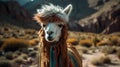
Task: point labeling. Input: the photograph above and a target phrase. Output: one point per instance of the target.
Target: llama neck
(54, 55)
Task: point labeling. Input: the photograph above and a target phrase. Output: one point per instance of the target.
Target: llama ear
(68, 9)
(37, 18)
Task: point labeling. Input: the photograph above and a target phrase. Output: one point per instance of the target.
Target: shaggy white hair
(47, 10)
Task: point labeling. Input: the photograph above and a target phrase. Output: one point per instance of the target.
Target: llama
(53, 34)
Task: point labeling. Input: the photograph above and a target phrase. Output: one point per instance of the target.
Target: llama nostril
(49, 32)
(50, 38)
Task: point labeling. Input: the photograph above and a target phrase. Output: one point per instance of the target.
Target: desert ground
(19, 47)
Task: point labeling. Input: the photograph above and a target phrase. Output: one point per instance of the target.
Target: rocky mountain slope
(80, 7)
(11, 12)
(98, 16)
(93, 15)
(106, 20)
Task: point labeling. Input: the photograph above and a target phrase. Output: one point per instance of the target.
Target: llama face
(51, 18)
(52, 31)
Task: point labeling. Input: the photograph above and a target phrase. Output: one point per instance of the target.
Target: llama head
(52, 20)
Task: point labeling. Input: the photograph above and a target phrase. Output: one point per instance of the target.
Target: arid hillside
(11, 12)
(19, 47)
(106, 20)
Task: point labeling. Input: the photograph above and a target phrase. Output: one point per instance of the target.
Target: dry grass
(72, 41)
(86, 43)
(93, 39)
(30, 31)
(13, 44)
(103, 43)
(33, 42)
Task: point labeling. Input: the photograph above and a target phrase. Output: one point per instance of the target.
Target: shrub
(27, 36)
(86, 43)
(19, 60)
(1, 42)
(24, 50)
(2, 58)
(30, 31)
(118, 52)
(6, 29)
(36, 48)
(95, 40)
(1, 36)
(13, 44)
(100, 60)
(25, 57)
(9, 55)
(33, 42)
(18, 52)
(72, 41)
(115, 40)
(33, 54)
(103, 43)
(106, 60)
(5, 63)
(108, 50)
(83, 50)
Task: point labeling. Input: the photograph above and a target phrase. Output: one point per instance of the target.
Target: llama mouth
(50, 39)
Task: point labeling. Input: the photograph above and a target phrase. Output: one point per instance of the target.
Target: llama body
(53, 35)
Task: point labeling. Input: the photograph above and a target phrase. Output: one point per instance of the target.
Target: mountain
(105, 20)
(81, 8)
(13, 13)
(98, 16)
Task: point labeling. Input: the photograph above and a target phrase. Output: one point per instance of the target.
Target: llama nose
(50, 38)
(49, 32)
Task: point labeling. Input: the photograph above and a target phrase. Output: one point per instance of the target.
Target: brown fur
(45, 19)
(60, 47)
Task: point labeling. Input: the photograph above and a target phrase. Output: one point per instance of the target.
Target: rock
(24, 50)
(9, 55)
(36, 48)
(2, 53)
(18, 52)
(77, 12)
(30, 49)
(114, 17)
(13, 9)
(106, 20)
(1, 42)
(32, 54)
(18, 61)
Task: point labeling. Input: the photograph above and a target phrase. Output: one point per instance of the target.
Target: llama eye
(44, 25)
(60, 25)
